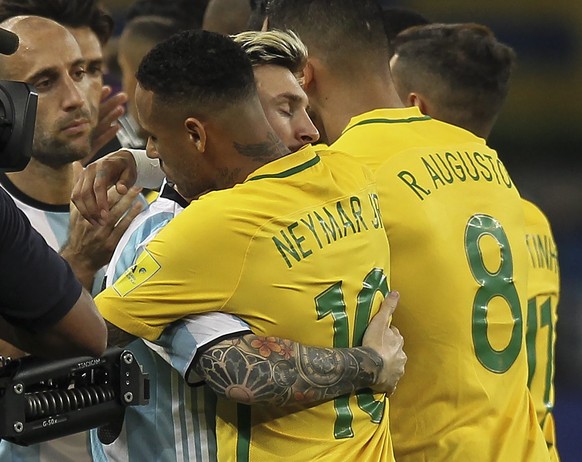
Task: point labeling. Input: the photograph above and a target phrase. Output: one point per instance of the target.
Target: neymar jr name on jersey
(329, 224)
(442, 169)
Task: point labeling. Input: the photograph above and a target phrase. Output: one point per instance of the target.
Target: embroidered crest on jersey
(145, 267)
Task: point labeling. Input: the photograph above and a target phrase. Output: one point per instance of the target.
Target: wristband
(149, 173)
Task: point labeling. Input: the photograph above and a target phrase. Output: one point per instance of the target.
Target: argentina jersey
(178, 423)
(51, 221)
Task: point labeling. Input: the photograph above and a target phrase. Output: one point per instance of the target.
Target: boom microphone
(8, 42)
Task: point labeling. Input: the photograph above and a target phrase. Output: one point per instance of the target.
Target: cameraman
(43, 307)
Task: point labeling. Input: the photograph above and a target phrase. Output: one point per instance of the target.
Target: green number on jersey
(545, 310)
(331, 302)
(493, 284)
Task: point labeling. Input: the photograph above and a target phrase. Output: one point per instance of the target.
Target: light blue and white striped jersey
(178, 422)
(52, 222)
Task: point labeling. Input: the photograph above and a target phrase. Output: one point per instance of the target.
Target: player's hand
(111, 108)
(388, 343)
(90, 247)
(90, 193)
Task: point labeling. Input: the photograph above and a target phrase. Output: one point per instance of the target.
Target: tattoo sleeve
(274, 371)
(118, 337)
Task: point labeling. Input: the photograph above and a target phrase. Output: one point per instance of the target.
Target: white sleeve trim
(180, 342)
(149, 173)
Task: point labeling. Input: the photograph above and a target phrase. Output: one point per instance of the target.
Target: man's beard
(55, 153)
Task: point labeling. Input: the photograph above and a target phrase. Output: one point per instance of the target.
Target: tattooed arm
(280, 372)
(269, 370)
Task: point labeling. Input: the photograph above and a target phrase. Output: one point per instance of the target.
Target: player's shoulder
(339, 160)
(530, 206)
(160, 210)
(534, 215)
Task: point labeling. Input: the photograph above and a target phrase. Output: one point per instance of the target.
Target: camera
(44, 399)
(18, 101)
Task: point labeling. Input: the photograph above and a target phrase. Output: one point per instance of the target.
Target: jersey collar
(390, 116)
(287, 165)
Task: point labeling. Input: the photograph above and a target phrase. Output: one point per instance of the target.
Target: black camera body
(43, 399)
(18, 102)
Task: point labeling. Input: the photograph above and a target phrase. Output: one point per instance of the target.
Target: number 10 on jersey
(332, 302)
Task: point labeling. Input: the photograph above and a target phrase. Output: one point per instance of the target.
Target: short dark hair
(152, 28)
(465, 59)
(397, 19)
(206, 69)
(349, 34)
(188, 13)
(69, 13)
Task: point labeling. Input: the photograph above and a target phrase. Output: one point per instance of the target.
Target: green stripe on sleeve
(243, 442)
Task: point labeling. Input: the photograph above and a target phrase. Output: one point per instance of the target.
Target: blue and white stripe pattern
(178, 424)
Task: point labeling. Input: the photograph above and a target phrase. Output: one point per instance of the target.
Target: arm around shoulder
(273, 371)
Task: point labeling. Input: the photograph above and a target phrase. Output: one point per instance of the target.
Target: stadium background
(539, 136)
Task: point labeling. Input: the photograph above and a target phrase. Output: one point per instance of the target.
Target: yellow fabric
(151, 195)
(543, 296)
(297, 251)
(453, 219)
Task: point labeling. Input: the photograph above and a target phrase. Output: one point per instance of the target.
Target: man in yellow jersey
(278, 60)
(459, 73)
(292, 244)
(455, 224)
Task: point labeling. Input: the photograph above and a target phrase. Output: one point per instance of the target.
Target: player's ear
(308, 75)
(196, 132)
(415, 99)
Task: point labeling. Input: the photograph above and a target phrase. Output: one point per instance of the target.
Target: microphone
(8, 42)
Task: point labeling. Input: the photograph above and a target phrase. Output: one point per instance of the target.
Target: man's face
(282, 99)
(49, 58)
(93, 55)
(285, 105)
(171, 143)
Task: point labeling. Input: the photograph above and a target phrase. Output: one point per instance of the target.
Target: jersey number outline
(493, 284)
(545, 310)
(332, 302)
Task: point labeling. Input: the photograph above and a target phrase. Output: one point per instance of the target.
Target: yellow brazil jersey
(458, 258)
(298, 251)
(542, 302)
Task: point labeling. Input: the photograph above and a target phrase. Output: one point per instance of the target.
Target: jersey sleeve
(182, 342)
(191, 267)
(38, 286)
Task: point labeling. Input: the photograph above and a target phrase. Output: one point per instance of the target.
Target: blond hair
(274, 47)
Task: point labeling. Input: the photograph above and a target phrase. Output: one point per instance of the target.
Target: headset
(18, 102)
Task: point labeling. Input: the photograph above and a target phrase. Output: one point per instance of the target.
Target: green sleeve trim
(243, 442)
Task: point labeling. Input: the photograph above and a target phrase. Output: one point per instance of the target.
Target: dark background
(539, 137)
